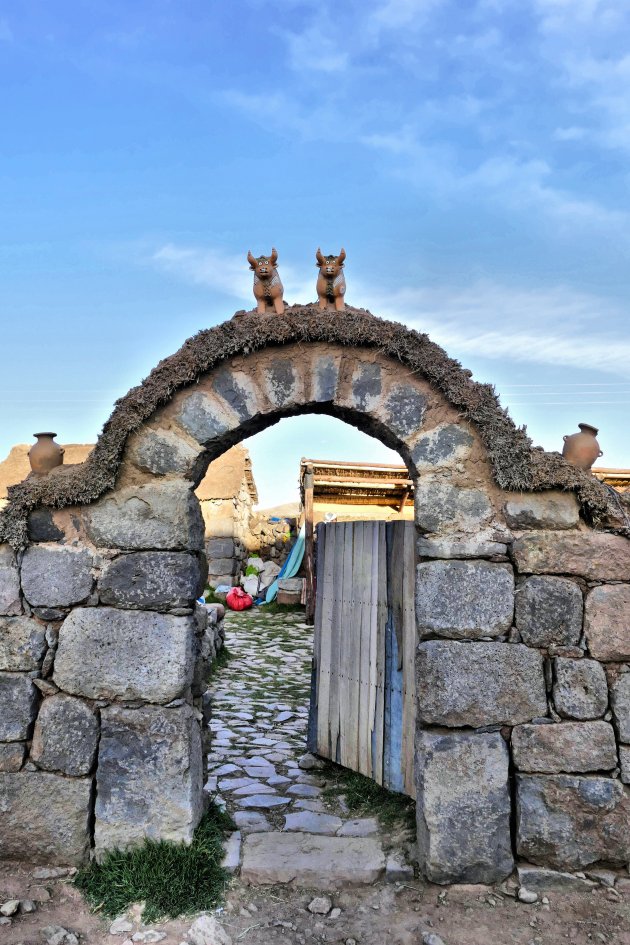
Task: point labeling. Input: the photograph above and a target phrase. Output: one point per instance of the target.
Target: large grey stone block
(163, 451)
(607, 622)
(442, 507)
(18, 705)
(459, 548)
(152, 580)
(367, 386)
(164, 515)
(65, 738)
(204, 417)
(405, 407)
(45, 817)
(149, 778)
(477, 684)
(580, 690)
(549, 611)
(463, 807)
(10, 602)
(218, 566)
(620, 702)
(56, 576)
(464, 599)
(325, 375)
(570, 747)
(557, 510)
(220, 548)
(104, 653)
(42, 527)
(280, 381)
(594, 555)
(314, 862)
(568, 822)
(238, 391)
(22, 643)
(445, 445)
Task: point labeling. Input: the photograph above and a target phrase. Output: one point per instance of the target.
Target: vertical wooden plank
(352, 669)
(394, 695)
(381, 621)
(317, 632)
(336, 667)
(323, 733)
(345, 640)
(364, 678)
(373, 671)
(308, 543)
(409, 653)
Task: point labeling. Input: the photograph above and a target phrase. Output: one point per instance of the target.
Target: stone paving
(260, 702)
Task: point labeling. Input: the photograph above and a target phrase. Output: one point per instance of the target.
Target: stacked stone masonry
(523, 657)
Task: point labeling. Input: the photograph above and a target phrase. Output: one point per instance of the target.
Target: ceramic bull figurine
(268, 289)
(331, 284)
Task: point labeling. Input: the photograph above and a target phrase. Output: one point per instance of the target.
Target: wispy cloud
(224, 272)
(489, 319)
(205, 266)
(394, 14)
(555, 326)
(316, 49)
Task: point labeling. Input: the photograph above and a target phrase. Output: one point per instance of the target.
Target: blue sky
(472, 157)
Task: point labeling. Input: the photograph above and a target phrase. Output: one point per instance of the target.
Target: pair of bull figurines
(268, 289)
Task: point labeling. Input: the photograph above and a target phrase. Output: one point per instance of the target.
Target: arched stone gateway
(522, 603)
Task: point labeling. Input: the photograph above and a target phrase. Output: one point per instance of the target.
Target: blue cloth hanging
(290, 567)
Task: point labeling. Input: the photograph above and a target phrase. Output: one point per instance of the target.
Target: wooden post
(403, 501)
(309, 549)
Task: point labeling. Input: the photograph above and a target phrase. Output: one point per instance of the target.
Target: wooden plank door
(363, 693)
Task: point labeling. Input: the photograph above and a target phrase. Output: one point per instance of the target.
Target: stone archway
(101, 648)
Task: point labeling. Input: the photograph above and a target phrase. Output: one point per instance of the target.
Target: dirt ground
(377, 915)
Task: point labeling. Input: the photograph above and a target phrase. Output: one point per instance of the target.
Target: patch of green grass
(275, 608)
(365, 797)
(221, 660)
(211, 598)
(172, 879)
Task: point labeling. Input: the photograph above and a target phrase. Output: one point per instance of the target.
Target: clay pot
(45, 454)
(582, 449)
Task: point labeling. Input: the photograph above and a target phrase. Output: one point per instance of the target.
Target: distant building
(227, 494)
(346, 492)
(16, 467)
(619, 479)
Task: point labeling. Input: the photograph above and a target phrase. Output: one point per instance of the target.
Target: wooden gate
(363, 688)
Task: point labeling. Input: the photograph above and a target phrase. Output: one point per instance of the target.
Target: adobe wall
(228, 536)
(523, 614)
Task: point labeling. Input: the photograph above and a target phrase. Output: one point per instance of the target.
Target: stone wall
(104, 656)
(523, 679)
(271, 540)
(228, 536)
(522, 611)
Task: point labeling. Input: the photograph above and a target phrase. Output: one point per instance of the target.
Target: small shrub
(251, 571)
(172, 879)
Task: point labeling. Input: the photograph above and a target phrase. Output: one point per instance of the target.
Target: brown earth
(378, 915)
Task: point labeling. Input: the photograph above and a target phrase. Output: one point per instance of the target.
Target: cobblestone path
(259, 718)
(260, 704)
